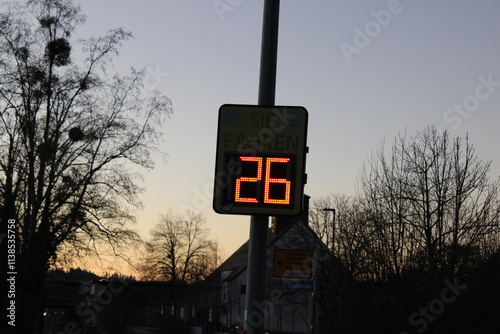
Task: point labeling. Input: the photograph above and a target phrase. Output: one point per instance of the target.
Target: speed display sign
(260, 160)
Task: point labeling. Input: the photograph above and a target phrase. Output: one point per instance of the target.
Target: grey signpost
(260, 166)
(257, 248)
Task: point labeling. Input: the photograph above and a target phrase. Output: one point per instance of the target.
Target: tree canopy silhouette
(179, 250)
(70, 136)
(427, 214)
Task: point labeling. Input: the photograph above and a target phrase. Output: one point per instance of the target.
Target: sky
(365, 71)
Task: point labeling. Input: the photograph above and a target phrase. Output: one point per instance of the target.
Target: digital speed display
(256, 179)
(260, 160)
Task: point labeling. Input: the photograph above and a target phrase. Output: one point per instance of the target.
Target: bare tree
(426, 212)
(179, 250)
(69, 135)
(321, 221)
(430, 204)
(352, 234)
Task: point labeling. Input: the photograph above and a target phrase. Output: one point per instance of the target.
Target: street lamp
(333, 231)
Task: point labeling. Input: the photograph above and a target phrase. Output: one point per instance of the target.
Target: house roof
(237, 262)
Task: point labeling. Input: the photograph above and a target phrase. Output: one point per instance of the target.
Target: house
(308, 297)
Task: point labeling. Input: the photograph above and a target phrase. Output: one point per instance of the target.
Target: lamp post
(333, 230)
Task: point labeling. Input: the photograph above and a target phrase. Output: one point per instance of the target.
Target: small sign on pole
(293, 264)
(298, 285)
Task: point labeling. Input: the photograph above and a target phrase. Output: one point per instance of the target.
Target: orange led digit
(269, 180)
(258, 178)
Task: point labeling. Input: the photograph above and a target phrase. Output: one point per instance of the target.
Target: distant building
(118, 306)
(290, 305)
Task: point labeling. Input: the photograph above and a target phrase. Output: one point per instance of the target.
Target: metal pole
(333, 228)
(255, 312)
(269, 52)
(334, 233)
(256, 276)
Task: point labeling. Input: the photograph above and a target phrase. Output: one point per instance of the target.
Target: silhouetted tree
(73, 274)
(68, 134)
(179, 250)
(349, 242)
(429, 204)
(427, 213)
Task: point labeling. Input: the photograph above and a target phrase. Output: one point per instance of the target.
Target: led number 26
(268, 180)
